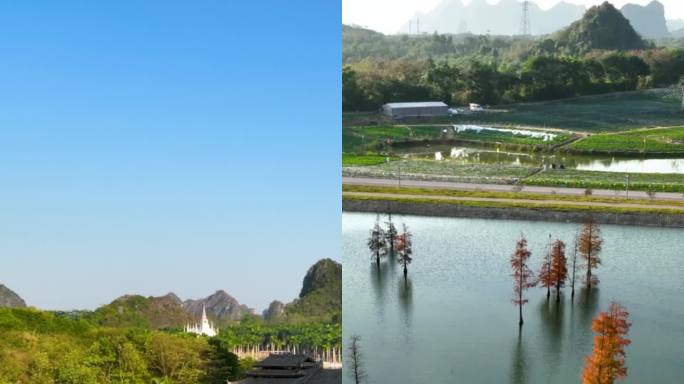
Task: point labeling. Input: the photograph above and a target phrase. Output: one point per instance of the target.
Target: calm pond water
(453, 321)
(587, 163)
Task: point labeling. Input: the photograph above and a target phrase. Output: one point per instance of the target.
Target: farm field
(444, 170)
(656, 182)
(358, 138)
(661, 141)
(361, 138)
(601, 113)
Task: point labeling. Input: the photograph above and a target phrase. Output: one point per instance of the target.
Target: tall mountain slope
(9, 299)
(648, 20)
(220, 306)
(321, 294)
(601, 27)
(480, 17)
(145, 312)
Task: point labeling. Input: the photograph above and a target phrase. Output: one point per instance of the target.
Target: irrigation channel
(474, 154)
(453, 321)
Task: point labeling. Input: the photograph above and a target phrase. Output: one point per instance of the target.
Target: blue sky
(157, 146)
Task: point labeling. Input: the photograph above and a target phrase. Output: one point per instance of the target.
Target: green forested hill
(321, 295)
(144, 312)
(602, 27)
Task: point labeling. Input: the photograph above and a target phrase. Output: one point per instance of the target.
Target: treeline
(369, 83)
(42, 347)
(359, 44)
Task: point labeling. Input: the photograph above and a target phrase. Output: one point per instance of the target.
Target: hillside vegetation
(600, 53)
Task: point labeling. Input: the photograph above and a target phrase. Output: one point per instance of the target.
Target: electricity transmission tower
(525, 19)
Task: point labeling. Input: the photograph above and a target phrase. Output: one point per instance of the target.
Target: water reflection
(405, 290)
(587, 307)
(551, 315)
(519, 361)
(379, 278)
(487, 155)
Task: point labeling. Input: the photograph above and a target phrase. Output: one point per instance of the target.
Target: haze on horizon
(388, 16)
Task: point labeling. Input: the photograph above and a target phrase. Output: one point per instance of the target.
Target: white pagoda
(204, 327)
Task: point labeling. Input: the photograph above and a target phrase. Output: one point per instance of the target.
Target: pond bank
(511, 213)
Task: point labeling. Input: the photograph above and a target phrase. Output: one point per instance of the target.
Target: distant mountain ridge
(504, 18)
(320, 299)
(648, 20)
(9, 298)
(480, 17)
(220, 306)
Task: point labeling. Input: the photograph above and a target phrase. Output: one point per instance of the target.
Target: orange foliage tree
(590, 242)
(559, 267)
(404, 248)
(523, 277)
(607, 360)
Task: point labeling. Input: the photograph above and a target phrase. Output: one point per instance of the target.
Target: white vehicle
(453, 111)
(475, 107)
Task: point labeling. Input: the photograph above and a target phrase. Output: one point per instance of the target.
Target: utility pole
(627, 186)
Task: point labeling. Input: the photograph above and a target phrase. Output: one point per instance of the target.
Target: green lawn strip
(350, 159)
(655, 182)
(655, 141)
(506, 204)
(500, 195)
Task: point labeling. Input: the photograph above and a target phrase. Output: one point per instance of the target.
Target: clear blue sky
(156, 146)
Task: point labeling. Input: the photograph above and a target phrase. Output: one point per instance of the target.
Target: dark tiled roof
(286, 361)
(291, 369)
(318, 376)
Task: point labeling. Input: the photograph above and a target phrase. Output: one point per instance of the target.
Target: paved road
(506, 188)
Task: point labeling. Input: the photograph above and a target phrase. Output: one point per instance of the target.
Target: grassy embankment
(511, 200)
(510, 174)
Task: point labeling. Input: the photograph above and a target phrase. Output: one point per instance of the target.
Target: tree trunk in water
(520, 323)
(548, 292)
(405, 272)
(589, 272)
(377, 258)
(557, 293)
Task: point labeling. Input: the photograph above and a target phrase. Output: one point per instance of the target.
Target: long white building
(415, 109)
